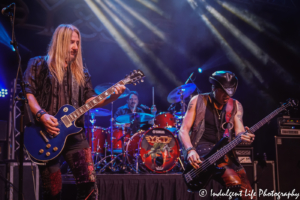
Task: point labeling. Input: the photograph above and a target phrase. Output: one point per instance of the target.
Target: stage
(135, 187)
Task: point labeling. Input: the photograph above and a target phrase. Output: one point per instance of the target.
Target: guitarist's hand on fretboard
(248, 137)
(194, 159)
(50, 123)
(119, 89)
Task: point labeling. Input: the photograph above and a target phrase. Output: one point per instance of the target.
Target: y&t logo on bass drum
(158, 139)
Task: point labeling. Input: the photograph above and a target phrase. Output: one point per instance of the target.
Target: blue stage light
(3, 92)
(199, 70)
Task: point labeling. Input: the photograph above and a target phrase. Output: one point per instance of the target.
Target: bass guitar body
(197, 181)
(40, 145)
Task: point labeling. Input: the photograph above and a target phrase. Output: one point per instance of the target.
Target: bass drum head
(157, 149)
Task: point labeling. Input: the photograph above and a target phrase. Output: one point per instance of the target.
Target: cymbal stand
(94, 152)
(182, 104)
(111, 143)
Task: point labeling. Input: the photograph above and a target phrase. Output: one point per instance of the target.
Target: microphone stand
(22, 98)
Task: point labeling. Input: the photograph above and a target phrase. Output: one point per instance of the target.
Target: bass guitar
(197, 179)
(43, 147)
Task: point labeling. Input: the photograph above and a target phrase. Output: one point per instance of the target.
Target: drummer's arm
(119, 89)
(187, 123)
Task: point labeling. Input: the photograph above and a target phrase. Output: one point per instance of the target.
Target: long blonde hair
(58, 53)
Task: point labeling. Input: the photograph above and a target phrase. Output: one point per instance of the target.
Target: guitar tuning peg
(142, 80)
(134, 83)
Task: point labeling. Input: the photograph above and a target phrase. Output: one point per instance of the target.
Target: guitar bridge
(66, 121)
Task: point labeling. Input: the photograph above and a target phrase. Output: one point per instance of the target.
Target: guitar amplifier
(244, 154)
(288, 126)
(264, 178)
(287, 163)
(30, 183)
(2, 182)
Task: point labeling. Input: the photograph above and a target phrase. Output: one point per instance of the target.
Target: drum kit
(156, 150)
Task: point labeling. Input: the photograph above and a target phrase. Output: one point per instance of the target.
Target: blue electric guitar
(42, 147)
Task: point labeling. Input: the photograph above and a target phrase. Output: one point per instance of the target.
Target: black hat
(225, 79)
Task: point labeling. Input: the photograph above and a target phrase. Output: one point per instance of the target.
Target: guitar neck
(86, 107)
(238, 139)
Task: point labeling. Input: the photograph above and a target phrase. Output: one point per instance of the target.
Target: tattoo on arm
(240, 109)
(190, 106)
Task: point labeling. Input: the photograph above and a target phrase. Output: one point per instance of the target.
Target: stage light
(139, 42)
(3, 92)
(249, 44)
(124, 44)
(157, 31)
(199, 70)
(4, 38)
(154, 8)
(258, 23)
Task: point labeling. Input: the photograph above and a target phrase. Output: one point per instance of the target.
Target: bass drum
(155, 150)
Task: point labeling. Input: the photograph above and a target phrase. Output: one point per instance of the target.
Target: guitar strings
(206, 162)
(194, 172)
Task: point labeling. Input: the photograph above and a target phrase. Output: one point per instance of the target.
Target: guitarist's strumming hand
(249, 137)
(194, 159)
(50, 123)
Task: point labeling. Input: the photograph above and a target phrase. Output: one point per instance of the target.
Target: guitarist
(210, 117)
(54, 80)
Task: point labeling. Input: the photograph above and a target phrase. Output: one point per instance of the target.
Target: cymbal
(99, 112)
(179, 113)
(186, 90)
(102, 87)
(141, 117)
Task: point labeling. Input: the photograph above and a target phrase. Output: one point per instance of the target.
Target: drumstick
(152, 95)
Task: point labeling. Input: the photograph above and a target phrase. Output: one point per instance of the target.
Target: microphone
(145, 107)
(189, 78)
(5, 11)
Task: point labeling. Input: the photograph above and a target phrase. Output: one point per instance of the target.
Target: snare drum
(165, 120)
(100, 135)
(156, 150)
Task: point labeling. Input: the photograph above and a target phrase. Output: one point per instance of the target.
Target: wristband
(39, 114)
(190, 148)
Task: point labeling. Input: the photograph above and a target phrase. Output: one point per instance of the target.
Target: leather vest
(198, 126)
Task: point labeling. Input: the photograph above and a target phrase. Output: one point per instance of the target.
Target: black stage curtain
(147, 187)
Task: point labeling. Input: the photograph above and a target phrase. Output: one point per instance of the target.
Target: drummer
(132, 107)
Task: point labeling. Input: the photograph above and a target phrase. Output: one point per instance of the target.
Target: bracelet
(39, 114)
(190, 148)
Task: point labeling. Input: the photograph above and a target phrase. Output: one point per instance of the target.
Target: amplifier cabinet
(30, 184)
(3, 185)
(264, 179)
(287, 163)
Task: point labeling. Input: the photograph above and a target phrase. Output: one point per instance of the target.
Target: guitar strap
(227, 123)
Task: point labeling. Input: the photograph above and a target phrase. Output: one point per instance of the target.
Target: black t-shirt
(213, 131)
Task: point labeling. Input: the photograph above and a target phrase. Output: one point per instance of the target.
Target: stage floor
(135, 187)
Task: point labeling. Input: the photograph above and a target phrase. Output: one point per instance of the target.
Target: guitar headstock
(136, 76)
(292, 102)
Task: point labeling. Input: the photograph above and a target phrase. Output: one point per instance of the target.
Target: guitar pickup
(44, 137)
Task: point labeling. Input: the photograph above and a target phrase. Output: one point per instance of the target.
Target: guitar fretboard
(86, 107)
(216, 156)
